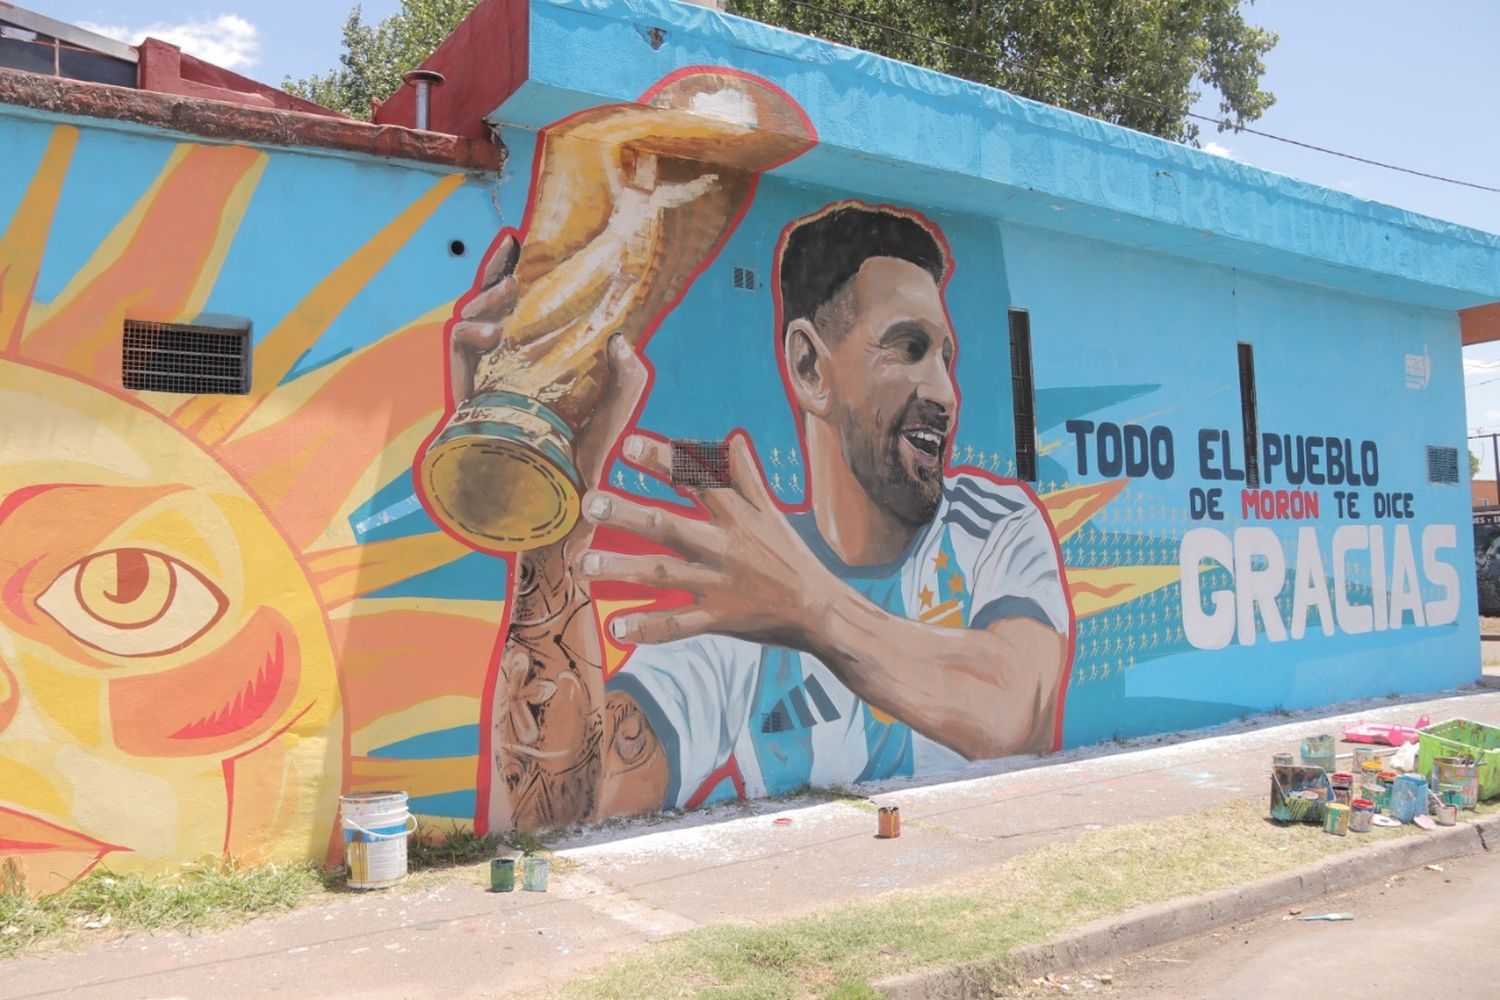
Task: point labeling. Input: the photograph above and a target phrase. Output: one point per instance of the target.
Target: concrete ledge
(1162, 923)
(230, 122)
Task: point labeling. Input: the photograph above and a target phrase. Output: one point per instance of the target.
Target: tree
(1473, 464)
(1136, 63)
(374, 57)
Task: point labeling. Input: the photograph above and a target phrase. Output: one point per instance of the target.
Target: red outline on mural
(619, 541)
(482, 783)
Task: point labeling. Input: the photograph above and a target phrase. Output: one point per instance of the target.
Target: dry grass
(839, 952)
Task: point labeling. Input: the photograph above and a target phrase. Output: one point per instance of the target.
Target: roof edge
(231, 122)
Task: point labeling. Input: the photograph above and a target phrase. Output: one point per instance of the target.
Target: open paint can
(888, 822)
(1336, 819)
(1361, 815)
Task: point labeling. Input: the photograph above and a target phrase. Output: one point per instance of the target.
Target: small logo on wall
(1418, 370)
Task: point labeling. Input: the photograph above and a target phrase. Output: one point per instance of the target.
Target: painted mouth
(50, 856)
(924, 443)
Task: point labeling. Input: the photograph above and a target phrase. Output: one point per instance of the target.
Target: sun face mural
(188, 667)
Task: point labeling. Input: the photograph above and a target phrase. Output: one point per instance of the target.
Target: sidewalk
(634, 882)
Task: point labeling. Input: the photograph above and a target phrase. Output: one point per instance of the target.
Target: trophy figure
(630, 202)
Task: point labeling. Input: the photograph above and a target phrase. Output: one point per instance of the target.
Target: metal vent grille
(170, 357)
(1022, 394)
(1442, 464)
(744, 279)
(700, 464)
(1249, 415)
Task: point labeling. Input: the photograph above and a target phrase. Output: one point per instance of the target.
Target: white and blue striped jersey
(780, 720)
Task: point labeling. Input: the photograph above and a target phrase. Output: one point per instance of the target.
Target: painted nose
(937, 385)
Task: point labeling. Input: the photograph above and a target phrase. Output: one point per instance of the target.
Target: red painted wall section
(165, 69)
(1481, 324)
(483, 62)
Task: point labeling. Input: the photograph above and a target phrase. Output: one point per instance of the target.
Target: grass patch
(839, 952)
(200, 896)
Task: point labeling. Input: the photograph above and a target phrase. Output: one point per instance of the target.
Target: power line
(1139, 98)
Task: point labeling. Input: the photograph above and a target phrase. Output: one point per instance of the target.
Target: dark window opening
(1022, 394)
(1249, 416)
(173, 357)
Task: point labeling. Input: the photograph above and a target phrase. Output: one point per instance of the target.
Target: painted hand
(751, 574)
(481, 320)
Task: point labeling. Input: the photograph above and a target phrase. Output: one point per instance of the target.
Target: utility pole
(1495, 450)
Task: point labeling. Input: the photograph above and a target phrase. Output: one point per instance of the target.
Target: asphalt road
(1419, 934)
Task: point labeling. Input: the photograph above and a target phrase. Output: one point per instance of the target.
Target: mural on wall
(191, 663)
(909, 615)
(702, 489)
(1487, 562)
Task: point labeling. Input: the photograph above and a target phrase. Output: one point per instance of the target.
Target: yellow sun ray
(1071, 509)
(313, 466)
(212, 418)
(160, 262)
(343, 574)
(25, 241)
(1099, 589)
(433, 776)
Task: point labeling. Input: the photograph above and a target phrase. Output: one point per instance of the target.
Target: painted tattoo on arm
(564, 751)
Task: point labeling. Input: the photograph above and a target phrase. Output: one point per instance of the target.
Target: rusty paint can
(1343, 787)
(1361, 815)
(1283, 760)
(1336, 819)
(889, 822)
(1446, 814)
(1363, 756)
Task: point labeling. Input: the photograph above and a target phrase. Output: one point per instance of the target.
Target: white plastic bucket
(376, 825)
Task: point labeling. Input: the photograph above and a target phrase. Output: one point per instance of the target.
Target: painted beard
(900, 463)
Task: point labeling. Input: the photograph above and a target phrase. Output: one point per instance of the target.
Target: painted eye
(132, 602)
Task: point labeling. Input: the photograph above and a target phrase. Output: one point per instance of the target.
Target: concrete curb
(1161, 923)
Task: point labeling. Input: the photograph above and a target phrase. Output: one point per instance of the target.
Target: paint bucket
(1320, 751)
(535, 878)
(1370, 770)
(1282, 760)
(1387, 782)
(888, 822)
(1371, 790)
(1452, 795)
(1336, 819)
(1363, 756)
(1447, 814)
(1361, 815)
(376, 825)
(1298, 794)
(503, 874)
(1460, 771)
(1343, 787)
(1409, 797)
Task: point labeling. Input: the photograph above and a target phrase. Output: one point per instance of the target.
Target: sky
(1400, 82)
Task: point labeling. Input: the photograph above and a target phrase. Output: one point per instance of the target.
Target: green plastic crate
(1462, 738)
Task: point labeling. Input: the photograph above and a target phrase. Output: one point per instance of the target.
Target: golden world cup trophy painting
(629, 203)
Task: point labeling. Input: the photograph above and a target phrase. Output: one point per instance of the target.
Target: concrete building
(920, 424)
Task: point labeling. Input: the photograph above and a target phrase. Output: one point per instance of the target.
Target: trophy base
(501, 474)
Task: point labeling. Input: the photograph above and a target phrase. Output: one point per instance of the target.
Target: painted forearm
(983, 692)
(548, 702)
(564, 752)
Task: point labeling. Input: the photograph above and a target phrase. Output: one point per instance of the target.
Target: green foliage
(1136, 63)
(1473, 464)
(375, 56)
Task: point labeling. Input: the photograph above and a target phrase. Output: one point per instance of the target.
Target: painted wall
(219, 613)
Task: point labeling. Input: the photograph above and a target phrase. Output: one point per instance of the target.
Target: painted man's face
(894, 398)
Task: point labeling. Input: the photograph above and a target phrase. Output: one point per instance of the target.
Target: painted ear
(807, 366)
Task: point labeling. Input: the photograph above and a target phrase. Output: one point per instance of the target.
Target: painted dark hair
(824, 251)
